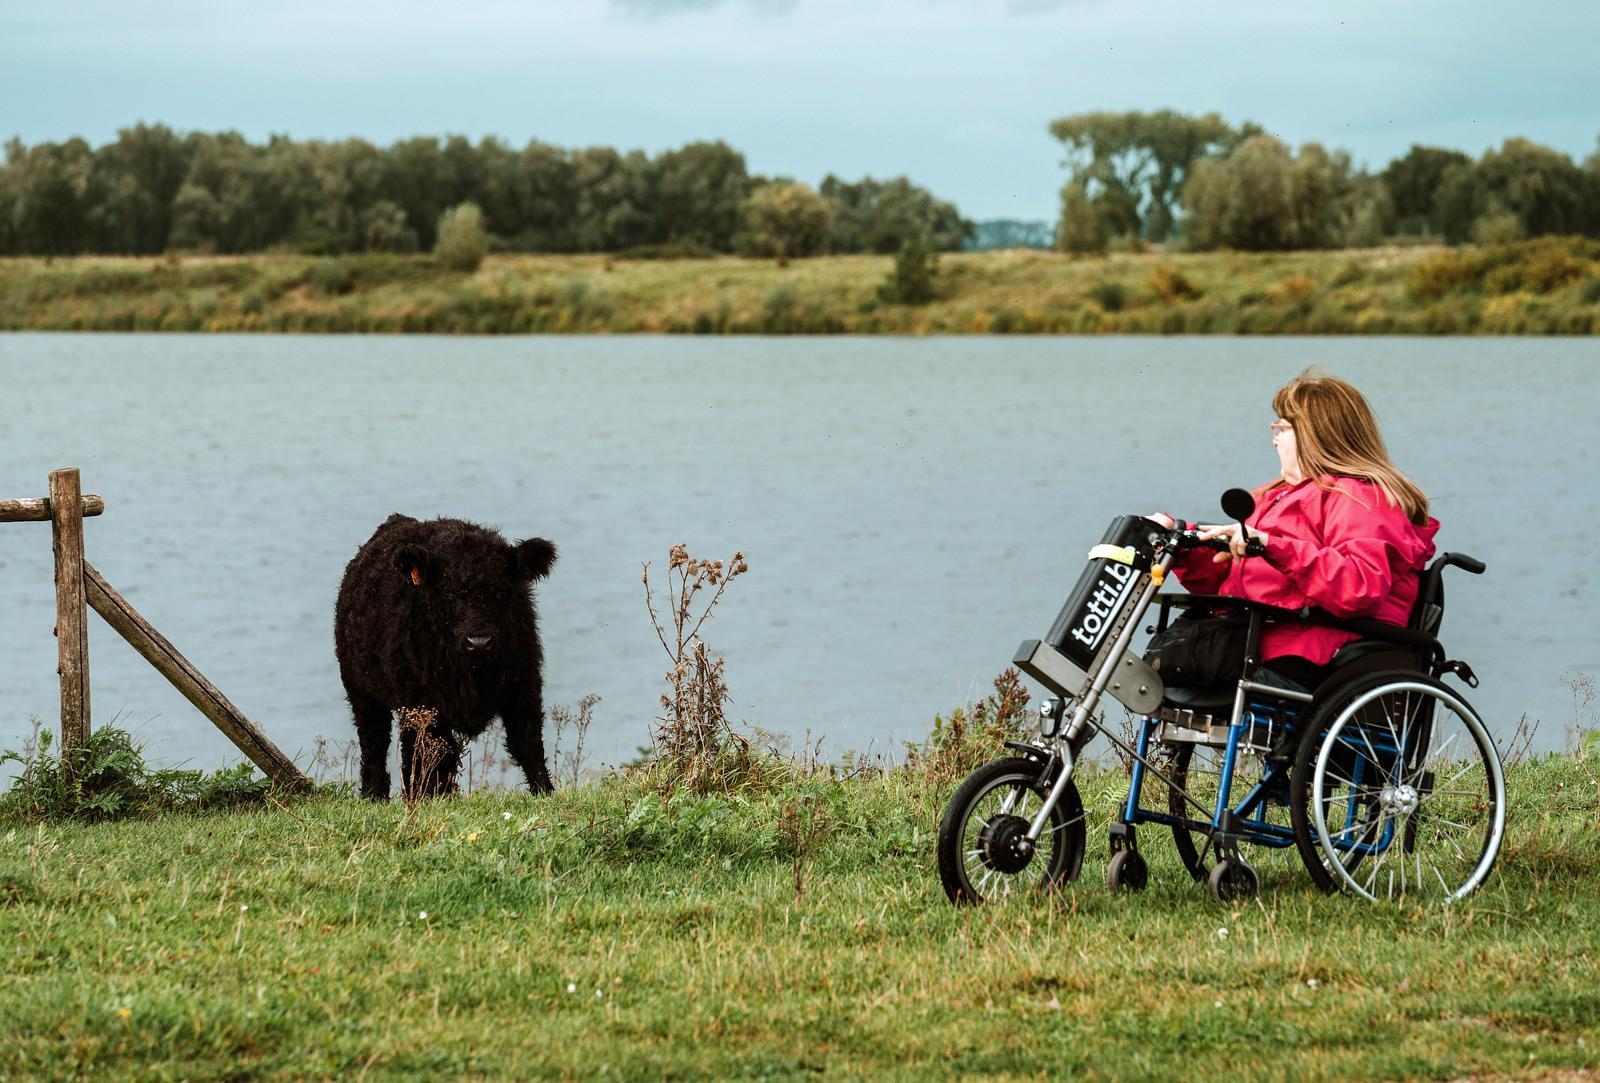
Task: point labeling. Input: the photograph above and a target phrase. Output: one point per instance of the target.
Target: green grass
(606, 932)
(1544, 286)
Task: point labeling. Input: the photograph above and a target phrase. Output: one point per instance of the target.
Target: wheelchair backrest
(1427, 612)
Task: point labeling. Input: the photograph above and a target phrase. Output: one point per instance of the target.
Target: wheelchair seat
(1204, 697)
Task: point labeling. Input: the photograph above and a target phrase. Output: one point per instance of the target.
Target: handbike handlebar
(1188, 536)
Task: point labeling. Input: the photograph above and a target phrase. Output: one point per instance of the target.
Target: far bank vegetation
(1542, 286)
(1168, 223)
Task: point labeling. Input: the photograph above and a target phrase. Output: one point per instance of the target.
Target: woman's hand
(1162, 520)
(1236, 539)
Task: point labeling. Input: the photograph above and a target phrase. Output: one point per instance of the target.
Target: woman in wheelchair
(1341, 528)
(1304, 707)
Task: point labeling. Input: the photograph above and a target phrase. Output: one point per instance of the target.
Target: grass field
(1546, 286)
(793, 932)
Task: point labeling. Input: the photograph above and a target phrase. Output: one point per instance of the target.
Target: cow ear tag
(416, 576)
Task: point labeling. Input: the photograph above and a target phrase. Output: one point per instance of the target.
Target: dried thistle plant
(334, 761)
(432, 771)
(484, 764)
(576, 720)
(1515, 748)
(801, 823)
(694, 736)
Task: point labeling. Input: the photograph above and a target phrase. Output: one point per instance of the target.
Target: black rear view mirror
(1238, 504)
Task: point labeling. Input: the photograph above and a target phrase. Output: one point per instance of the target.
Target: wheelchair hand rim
(1495, 784)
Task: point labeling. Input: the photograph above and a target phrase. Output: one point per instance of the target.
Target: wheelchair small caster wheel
(1128, 871)
(1231, 880)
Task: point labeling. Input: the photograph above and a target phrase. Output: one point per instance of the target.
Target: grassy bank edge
(613, 929)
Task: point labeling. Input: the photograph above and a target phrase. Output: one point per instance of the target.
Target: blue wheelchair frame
(1262, 705)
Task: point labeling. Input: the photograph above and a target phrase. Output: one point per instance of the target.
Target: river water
(911, 508)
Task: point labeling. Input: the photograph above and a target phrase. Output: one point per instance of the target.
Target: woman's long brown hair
(1336, 433)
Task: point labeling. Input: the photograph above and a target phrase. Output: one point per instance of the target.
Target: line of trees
(153, 189)
(1206, 184)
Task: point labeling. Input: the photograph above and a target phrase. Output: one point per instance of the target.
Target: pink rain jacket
(1344, 548)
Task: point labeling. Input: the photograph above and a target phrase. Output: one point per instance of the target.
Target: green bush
(331, 278)
(1348, 275)
(463, 240)
(1540, 266)
(1172, 285)
(385, 229)
(786, 221)
(911, 280)
(1111, 296)
(1441, 274)
(1082, 229)
(1498, 227)
(105, 778)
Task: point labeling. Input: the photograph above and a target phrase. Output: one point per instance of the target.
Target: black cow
(438, 615)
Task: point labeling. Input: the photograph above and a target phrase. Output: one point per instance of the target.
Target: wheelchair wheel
(1127, 871)
(1233, 880)
(1398, 792)
(979, 856)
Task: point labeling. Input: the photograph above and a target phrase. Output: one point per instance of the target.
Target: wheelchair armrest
(1368, 628)
(1227, 601)
(1362, 626)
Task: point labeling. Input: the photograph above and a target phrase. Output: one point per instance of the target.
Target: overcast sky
(956, 94)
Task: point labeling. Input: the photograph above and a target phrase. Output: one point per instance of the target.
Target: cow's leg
(523, 716)
(373, 725)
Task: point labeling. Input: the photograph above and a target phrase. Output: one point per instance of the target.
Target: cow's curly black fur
(410, 600)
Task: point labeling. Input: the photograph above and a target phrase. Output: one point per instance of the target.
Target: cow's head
(475, 586)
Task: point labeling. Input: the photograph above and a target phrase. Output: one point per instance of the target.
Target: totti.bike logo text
(1115, 581)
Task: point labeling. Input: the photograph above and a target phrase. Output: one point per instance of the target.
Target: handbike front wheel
(983, 851)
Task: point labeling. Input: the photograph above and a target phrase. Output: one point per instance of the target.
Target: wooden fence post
(72, 623)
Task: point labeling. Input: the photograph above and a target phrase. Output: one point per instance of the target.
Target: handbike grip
(1252, 548)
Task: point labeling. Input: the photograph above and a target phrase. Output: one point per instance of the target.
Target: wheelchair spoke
(1459, 773)
(1377, 763)
(1372, 873)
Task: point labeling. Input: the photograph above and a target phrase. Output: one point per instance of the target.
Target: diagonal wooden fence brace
(188, 680)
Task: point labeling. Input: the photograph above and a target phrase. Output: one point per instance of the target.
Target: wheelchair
(1382, 777)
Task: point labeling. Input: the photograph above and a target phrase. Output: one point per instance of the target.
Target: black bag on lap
(1199, 649)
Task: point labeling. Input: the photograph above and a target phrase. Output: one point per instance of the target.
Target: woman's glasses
(1280, 427)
